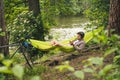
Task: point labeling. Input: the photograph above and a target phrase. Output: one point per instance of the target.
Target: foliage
(98, 12)
(96, 69)
(112, 47)
(2, 34)
(103, 39)
(13, 8)
(69, 7)
(96, 66)
(7, 68)
(48, 12)
(35, 71)
(117, 59)
(104, 71)
(79, 74)
(34, 74)
(111, 43)
(26, 24)
(64, 66)
(64, 7)
(22, 23)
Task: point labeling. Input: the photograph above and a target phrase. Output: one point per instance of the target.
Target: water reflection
(68, 22)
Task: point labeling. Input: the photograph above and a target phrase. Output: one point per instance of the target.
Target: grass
(37, 70)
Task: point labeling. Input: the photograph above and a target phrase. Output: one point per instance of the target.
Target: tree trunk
(34, 6)
(3, 39)
(114, 17)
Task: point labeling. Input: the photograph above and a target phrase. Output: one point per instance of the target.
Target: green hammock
(46, 46)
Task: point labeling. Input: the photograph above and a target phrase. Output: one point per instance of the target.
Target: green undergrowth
(18, 58)
(37, 70)
(93, 65)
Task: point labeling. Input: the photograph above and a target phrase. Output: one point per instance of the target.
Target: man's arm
(79, 47)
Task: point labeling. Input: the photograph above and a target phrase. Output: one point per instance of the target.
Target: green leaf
(110, 51)
(7, 62)
(2, 33)
(71, 68)
(1, 57)
(117, 59)
(79, 74)
(96, 60)
(18, 71)
(63, 67)
(106, 69)
(36, 78)
(88, 70)
(5, 69)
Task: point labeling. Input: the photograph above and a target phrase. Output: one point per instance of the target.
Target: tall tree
(34, 6)
(3, 39)
(114, 16)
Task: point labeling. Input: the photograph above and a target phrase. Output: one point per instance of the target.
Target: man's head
(80, 35)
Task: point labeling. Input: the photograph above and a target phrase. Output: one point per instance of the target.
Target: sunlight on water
(64, 33)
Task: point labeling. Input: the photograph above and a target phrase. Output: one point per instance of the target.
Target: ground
(46, 68)
(75, 61)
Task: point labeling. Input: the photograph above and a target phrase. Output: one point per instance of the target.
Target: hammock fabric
(46, 46)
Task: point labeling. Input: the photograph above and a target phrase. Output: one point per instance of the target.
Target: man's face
(78, 37)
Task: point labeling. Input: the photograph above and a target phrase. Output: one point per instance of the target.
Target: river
(67, 27)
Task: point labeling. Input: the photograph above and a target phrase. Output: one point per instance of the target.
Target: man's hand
(71, 42)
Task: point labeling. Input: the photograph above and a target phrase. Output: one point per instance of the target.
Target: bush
(27, 25)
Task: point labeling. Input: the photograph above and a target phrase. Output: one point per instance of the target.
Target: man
(78, 44)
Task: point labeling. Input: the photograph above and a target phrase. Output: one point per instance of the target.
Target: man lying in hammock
(78, 44)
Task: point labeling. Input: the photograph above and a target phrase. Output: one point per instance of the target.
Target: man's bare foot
(55, 43)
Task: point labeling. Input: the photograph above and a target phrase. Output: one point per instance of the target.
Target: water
(71, 22)
(67, 27)
(64, 33)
